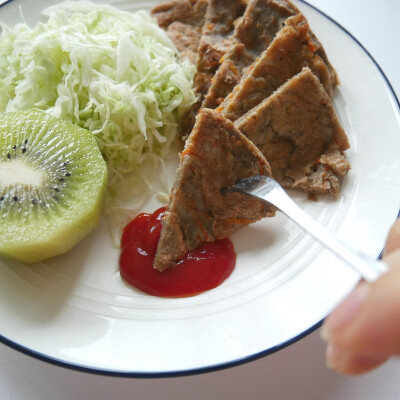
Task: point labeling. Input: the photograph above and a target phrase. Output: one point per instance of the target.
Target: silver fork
(270, 191)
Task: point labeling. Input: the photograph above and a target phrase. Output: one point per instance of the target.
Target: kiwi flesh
(53, 180)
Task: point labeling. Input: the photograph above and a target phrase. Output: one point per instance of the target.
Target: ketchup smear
(202, 269)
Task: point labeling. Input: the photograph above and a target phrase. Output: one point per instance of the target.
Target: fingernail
(333, 356)
(345, 312)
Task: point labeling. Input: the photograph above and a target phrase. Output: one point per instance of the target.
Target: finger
(346, 362)
(393, 239)
(368, 320)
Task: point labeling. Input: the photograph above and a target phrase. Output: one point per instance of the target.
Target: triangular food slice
(216, 155)
(298, 132)
(183, 21)
(215, 41)
(253, 34)
(190, 12)
(293, 48)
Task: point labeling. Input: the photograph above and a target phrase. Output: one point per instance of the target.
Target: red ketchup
(202, 269)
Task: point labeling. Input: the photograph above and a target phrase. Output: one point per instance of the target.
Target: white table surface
(295, 373)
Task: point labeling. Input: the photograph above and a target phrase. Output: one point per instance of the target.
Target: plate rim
(224, 365)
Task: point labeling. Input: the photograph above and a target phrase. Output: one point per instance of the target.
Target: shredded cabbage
(113, 72)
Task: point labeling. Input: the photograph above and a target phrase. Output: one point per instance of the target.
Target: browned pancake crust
(298, 132)
(216, 156)
(293, 48)
(258, 27)
(216, 39)
(190, 12)
(183, 22)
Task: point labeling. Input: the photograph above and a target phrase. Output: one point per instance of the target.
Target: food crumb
(312, 197)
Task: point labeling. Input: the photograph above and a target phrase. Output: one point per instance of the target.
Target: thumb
(393, 239)
(364, 330)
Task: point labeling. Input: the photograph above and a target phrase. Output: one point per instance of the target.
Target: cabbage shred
(113, 72)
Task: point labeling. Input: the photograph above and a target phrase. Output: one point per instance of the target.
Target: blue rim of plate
(217, 367)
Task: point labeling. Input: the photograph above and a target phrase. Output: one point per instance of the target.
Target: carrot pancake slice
(293, 48)
(262, 20)
(216, 155)
(297, 130)
(183, 22)
(253, 33)
(216, 39)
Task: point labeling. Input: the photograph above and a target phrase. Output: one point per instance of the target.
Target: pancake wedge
(297, 130)
(216, 156)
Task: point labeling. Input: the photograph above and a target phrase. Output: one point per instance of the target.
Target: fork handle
(267, 189)
(368, 268)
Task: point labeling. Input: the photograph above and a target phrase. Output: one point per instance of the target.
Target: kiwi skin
(36, 228)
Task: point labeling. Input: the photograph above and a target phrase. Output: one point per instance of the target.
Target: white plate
(75, 311)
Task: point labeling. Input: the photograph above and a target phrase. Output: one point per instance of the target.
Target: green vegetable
(112, 72)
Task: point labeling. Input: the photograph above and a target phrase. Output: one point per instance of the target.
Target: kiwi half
(52, 185)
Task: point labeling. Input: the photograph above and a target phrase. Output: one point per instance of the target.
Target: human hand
(364, 330)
